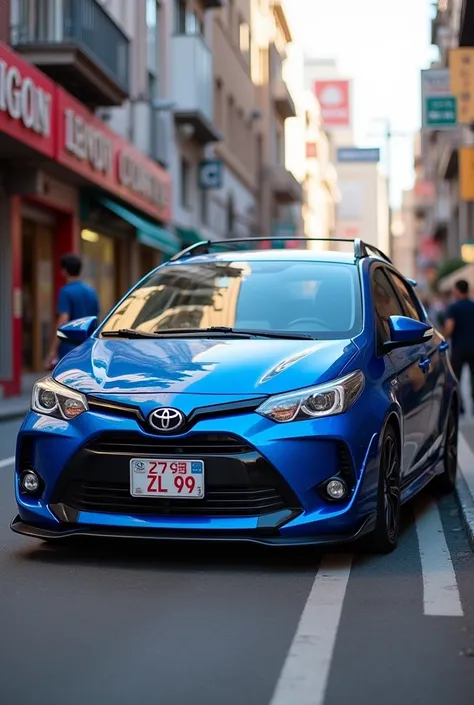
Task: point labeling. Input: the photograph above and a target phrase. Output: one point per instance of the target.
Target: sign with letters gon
(89, 147)
(26, 103)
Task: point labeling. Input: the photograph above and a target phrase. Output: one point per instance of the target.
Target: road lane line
(440, 589)
(8, 461)
(305, 672)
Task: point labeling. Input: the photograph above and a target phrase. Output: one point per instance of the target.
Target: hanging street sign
(441, 112)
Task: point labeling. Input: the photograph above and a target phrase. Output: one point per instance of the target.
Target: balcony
(192, 87)
(284, 103)
(284, 185)
(78, 45)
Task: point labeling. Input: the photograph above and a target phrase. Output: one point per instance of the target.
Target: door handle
(424, 364)
(444, 346)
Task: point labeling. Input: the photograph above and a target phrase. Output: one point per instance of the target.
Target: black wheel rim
(452, 446)
(391, 486)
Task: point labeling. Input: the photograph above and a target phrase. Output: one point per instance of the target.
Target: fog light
(336, 489)
(30, 482)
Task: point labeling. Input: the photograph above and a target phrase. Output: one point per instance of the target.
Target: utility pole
(388, 135)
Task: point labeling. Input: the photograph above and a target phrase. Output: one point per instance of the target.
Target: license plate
(150, 477)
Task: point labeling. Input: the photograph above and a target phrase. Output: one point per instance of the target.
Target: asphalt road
(128, 624)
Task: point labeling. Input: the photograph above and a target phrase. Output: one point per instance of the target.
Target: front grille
(196, 444)
(238, 480)
(116, 498)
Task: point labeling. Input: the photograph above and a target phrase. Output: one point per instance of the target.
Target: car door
(409, 363)
(434, 354)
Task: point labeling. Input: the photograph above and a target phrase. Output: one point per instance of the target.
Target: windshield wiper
(127, 333)
(226, 330)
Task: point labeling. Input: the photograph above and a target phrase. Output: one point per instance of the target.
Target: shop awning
(148, 233)
(189, 236)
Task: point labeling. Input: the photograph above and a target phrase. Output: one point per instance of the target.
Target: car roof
(282, 255)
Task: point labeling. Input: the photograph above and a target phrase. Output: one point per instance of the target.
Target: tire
(446, 482)
(384, 538)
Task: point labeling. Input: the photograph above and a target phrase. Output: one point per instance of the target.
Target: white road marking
(8, 461)
(305, 672)
(440, 589)
(466, 462)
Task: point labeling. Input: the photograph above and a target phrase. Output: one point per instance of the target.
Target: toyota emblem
(167, 420)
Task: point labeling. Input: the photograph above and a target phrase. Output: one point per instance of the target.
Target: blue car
(282, 397)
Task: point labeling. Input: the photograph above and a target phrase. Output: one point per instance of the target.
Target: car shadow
(184, 556)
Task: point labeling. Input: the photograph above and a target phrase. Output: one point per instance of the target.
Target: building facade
(67, 181)
(448, 215)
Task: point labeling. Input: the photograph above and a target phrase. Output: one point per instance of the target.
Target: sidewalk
(16, 407)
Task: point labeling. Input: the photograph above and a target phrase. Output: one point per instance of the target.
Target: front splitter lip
(98, 532)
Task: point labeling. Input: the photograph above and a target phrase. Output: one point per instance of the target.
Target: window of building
(230, 217)
(153, 29)
(194, 24)
(204, 198)
(185, 183)
(230, 121)
(180, 16)
(280, 147)
(218, 106)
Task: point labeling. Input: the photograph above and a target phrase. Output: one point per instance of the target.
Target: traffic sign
(441, 111)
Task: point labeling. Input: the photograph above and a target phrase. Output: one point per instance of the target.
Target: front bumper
(299, 456)
(186, 536)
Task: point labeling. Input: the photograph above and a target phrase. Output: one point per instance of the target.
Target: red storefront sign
(27, 110)
(334, 99)
(87, 146)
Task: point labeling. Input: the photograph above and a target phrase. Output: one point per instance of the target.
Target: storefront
(67, 184)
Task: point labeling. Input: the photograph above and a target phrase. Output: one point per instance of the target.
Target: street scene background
(130, 130)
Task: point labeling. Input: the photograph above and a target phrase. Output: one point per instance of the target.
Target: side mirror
(406, 331)
(76, 332)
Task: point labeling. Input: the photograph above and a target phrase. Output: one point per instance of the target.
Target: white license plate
(163, 477)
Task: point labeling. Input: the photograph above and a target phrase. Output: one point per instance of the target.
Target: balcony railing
(47, 30)
(192, 85)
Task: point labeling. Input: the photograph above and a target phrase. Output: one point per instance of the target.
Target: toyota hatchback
(282, 397)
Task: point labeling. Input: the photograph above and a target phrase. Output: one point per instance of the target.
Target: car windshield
(319, 298)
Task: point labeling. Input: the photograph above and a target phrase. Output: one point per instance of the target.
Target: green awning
(148, 233)
(189, 236)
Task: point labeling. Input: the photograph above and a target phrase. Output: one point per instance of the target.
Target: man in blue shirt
(75, 300)
(459, 326)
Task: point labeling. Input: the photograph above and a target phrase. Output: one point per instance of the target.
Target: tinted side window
(408, 302)
(385, 301)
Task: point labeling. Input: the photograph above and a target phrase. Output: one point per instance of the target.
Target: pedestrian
(75, 300)
(459, 326)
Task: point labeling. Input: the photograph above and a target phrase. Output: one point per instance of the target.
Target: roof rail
(361, 249)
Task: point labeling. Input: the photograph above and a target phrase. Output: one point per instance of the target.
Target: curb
(466, 507)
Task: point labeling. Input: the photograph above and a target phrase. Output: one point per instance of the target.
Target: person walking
(75, 300)
(459, 326)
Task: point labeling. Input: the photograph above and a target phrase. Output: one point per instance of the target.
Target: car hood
(197, 366)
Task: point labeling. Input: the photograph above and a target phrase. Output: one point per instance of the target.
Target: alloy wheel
(391, 486)
(451, 449)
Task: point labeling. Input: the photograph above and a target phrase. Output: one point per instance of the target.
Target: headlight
(53, 399)
(323, 400)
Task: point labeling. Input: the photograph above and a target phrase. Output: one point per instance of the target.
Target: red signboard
(26, 103)
(430, 249)
(87, 146)
(334, 100)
